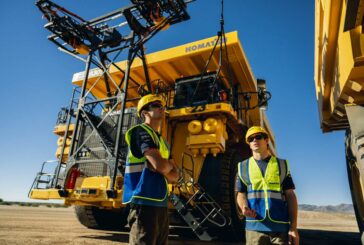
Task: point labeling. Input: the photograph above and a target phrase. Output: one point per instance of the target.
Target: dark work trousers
(266, 238)
(148, 225)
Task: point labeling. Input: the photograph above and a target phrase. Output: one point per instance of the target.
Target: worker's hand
(247, 212)
(172, 162)
(172, 176)
(293, 237)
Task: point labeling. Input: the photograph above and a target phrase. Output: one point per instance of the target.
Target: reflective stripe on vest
(264, 192)
(134, 168)
(271, 194)
(140, 181)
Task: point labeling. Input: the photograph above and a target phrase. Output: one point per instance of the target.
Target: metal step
(192, 222)
(43, 181)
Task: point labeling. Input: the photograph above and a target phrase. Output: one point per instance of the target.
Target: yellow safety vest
(141, 184)
(265, 193)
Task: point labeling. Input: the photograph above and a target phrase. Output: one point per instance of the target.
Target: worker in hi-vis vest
(148, 170)
(265, 194)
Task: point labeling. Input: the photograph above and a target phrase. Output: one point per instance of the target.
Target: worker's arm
(293, 237)
(142, 144)
(241, 198)
(242, 201)
(173, 175)
(163, 166)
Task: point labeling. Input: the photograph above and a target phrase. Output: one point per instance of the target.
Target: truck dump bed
(182, 61)
(339, 60)
(185, 60)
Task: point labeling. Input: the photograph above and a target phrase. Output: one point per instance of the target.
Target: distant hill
(33, 204)
(341, 208)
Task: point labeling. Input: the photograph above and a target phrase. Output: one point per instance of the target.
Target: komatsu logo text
(201, 45)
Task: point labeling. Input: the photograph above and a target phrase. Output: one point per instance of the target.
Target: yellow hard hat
(147, 99)
(254, 130)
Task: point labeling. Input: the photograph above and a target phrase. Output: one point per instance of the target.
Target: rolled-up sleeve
(239, 185)
(141, 141)
(288, 183)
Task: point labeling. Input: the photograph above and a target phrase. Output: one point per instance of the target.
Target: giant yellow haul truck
(212, 99)
(339, 78)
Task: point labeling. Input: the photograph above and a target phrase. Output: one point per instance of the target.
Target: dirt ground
(42, 225)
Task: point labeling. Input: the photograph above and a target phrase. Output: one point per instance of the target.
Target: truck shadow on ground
(313, 237)
(307, 237)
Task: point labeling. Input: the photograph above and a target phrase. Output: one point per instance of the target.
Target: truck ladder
(199, 209)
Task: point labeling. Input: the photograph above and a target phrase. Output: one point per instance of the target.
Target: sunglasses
(155, 106)
(257, 137)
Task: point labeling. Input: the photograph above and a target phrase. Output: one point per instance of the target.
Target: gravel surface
(42, 225)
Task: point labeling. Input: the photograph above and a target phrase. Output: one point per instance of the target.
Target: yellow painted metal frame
(168, 65)
(339, 63)
(45, 194)
(87, 191)
(60, 131)
(181, 61)
(208, 109)
(185, 60)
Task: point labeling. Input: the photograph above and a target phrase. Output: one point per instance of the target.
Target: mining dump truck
(339, 77)
(211, 95)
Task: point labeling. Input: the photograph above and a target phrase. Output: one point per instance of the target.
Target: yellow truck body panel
(339, 62)
(181, 61)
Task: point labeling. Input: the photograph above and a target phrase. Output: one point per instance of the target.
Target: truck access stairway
(105, 128)
(43, 180)
(199, 210)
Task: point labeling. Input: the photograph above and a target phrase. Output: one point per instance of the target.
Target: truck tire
(221, 186)
(236, 231)
(102, 219)
(355, 168)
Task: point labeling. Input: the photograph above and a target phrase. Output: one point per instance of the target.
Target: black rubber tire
(236, 231)
(356, 180)
(220, 184)
(102, 219)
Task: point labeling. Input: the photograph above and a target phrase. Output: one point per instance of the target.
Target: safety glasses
(257, 137)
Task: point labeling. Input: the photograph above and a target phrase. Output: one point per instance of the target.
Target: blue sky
(278, 39)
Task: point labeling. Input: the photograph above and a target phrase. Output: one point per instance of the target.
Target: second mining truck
(212, 98)
(339, 77)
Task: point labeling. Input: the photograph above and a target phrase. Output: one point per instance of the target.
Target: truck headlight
(210, 125)
(194, 127)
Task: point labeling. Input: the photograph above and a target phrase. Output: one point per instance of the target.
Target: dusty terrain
(41, 225)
